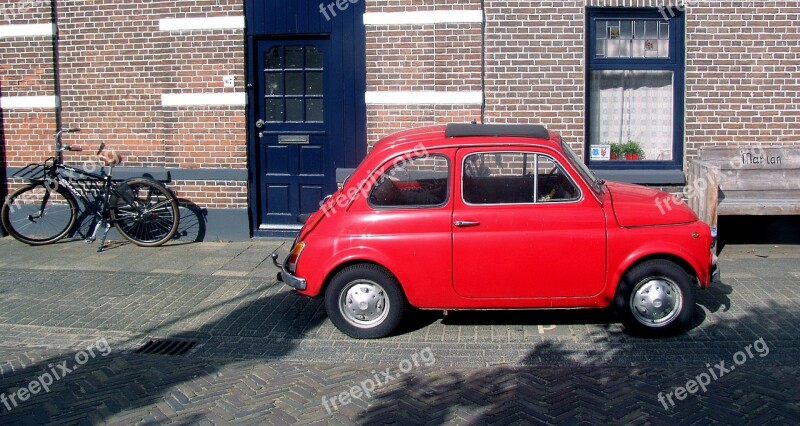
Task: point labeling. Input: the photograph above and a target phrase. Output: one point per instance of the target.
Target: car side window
(515, 178)
(416, 182)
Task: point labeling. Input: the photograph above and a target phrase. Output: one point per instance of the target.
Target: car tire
(364, 301)
(655, 298)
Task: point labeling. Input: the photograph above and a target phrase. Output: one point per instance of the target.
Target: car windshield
(582, 168)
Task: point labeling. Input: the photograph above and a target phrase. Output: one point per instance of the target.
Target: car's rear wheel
(655, 298)
(364, 301)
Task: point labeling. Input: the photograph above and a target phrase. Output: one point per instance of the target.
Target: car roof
(461, 135)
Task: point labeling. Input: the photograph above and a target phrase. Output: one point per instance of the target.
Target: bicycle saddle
(110, 158)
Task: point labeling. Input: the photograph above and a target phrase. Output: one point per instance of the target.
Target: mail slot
(293, 139)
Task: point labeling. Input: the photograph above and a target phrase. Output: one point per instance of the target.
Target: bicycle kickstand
(106, 226)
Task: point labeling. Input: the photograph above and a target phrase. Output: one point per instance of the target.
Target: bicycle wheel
(37, 215)
(144, 211)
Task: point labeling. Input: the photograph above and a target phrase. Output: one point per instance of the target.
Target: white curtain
(633, 105)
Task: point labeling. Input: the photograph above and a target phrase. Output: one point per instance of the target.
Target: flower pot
(632, 156)
(613, 156)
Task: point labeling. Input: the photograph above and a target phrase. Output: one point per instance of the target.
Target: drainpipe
(56, 64)
(483, 61)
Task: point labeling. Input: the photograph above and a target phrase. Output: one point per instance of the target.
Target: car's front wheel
(364, 301)
(655, 298)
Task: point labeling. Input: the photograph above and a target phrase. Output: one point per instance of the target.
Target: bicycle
(45, 210)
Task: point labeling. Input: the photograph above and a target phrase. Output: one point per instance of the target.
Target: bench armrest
(702, 189)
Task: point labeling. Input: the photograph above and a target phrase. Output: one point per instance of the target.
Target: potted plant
(633, 151)
(617, 152)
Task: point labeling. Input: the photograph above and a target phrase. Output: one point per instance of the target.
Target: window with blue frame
(634, 90)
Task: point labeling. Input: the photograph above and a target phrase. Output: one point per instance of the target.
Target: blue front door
(295, 140)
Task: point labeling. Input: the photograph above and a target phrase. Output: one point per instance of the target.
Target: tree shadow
(113, 381)
(556, 382)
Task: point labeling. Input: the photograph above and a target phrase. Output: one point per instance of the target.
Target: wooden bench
(744, 181)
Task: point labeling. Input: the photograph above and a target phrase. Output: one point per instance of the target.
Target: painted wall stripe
(424, 98)
(213, 23)
(29, 102)
(27, 30)
(189, 99)
(425, 17)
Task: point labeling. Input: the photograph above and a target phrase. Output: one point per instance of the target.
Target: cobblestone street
(264, 355)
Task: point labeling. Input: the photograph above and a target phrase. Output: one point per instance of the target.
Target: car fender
(652, 250)
(353, 255)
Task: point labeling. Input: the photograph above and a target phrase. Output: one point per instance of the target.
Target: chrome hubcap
(656, 301)
(363, 303)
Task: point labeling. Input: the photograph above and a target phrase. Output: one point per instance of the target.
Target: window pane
(315, 110)
(274, 84)
(629, 108)
(637, 49)
(625, 30)
(274, 110)
(624, 49)
(600, 45)
(601, 29)
(274, 58)
(314, 83)
(294, 57)
(639, 29)
(294, 83)
(651, 29)
(420, 181)
(313, 57)
(294, 110)
(663, 32)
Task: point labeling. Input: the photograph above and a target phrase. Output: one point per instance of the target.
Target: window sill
(643, 177)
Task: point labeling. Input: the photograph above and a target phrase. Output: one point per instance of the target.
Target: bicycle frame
(62, 175)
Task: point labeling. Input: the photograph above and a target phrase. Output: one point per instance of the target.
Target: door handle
(465, 224)
(260, 124)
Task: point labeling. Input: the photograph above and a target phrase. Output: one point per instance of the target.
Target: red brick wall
(115, 65)
(742, 73)
(442, 57)
(742, 62)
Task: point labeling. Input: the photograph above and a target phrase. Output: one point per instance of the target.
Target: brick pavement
(265, 355)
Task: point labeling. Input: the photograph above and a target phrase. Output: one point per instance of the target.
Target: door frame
(353, 130)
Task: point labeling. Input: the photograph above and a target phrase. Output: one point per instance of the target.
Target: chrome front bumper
(285, 276)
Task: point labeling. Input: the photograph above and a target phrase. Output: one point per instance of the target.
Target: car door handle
(464, 224)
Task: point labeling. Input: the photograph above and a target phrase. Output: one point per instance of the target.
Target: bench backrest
(756, 172)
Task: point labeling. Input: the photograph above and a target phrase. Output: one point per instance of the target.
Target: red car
(473, 216)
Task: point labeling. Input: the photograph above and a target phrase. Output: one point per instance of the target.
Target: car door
(525, 228)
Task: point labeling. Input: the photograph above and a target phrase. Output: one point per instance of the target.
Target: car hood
(636, 205)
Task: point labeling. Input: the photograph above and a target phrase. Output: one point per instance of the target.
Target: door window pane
(294, 57)
(315, 111)
(629, 108)
(294, 110)
(417, 182)
(274, 111)
(314, 83)
(313, 58)
(294, 84)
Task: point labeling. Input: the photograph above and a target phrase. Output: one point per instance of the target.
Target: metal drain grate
(166, 347)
